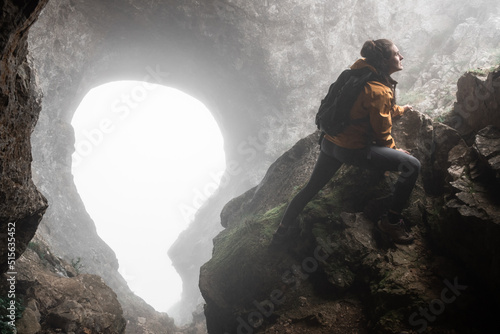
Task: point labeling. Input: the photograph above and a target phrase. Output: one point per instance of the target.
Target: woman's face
(395, 60)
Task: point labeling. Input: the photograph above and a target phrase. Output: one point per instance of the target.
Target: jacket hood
(361, 63)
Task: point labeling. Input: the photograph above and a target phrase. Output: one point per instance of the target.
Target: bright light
(142, 153)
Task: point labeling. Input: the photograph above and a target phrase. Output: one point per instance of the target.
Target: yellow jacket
(374, 101)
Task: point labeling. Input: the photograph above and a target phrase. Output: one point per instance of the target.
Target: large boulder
(478, 103)
(56, 297)
(340, 274)
(466, 224)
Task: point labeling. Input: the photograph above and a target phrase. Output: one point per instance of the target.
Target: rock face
(260, 67)
(478, 100)
(50, 297)
(339, 274)
(58, 298)
(21, 205)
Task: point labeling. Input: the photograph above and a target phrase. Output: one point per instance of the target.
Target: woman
(366, 144)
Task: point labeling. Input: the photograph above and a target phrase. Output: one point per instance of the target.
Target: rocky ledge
(54, 297)
(340, 274)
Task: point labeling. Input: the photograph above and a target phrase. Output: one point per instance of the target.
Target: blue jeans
(332, 157)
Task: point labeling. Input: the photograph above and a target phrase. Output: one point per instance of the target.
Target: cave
(175, 57)
(261, 69)
(134, 177)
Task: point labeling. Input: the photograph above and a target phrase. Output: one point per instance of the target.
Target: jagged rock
(338, 254)
(477, 103)
(467, 226)
(488, 146)
(56, 302)
(30, 321)
(260, 67)
(278, 183)
(430, 142)
(21, 204)
(257, 64)
(67, 316)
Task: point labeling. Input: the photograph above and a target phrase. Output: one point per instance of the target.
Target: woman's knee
(411, 166)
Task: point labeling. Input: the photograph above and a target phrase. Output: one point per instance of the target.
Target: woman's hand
(401, 150)
(397, 112)
(407, 107)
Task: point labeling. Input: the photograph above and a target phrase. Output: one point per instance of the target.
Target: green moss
(5, 327)
(326, 206)
(77, 265)
(391, 322)
(37, 249)
(483, 71)
(248, 236)
(242, 258)
(270, 220)
(271, 215)
(440, 118)
(224, 249)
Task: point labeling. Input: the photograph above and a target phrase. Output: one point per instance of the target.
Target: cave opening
(143, 155)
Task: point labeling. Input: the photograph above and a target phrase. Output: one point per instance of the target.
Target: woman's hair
(377, 53)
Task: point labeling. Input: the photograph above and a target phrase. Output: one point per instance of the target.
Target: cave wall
(260, 67)
(21, 204)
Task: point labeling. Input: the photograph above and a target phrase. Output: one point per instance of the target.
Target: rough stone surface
(478, 101)
(337, 257)
(260, 67)
(21, 204)
(466, 226)
(488, 146)
(30, 321)
(58, 300)
(260, 64)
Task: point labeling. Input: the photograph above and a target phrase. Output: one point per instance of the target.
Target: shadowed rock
(337, 255)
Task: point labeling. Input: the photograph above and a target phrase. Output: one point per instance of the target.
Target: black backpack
(333, 114)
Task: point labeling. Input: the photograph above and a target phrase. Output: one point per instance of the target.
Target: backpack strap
(367, 75)
(334, 112)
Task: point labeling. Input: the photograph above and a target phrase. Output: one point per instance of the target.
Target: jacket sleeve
(378, 102)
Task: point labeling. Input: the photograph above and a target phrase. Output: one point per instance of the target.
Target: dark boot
(397, 231)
